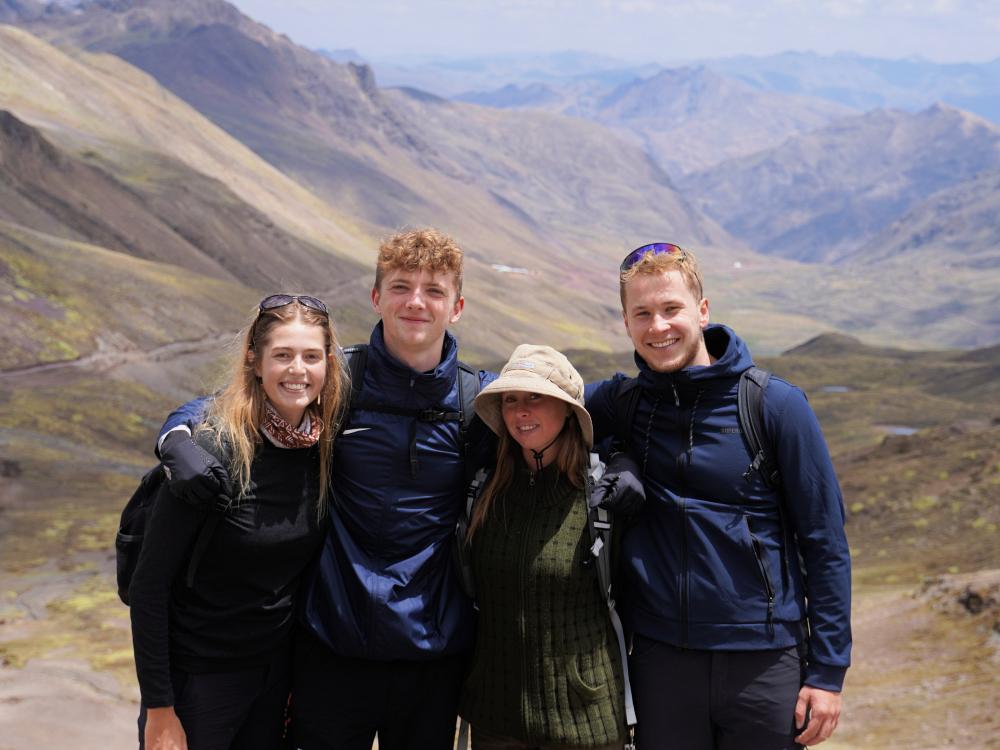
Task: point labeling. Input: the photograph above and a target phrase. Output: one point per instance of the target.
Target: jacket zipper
(768, 588)
(684, 548)
(684, 578)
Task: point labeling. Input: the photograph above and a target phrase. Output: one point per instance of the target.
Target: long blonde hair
(571, 459)
(236, 414)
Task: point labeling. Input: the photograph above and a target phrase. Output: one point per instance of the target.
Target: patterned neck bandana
(283, 435)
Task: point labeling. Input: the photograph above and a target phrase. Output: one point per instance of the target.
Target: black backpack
(132, 528)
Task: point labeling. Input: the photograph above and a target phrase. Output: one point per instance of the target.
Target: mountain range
(240, 156)
(851, 80)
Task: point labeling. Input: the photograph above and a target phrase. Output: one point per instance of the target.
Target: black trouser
(239, 710)
(714, 700)
(340, 704)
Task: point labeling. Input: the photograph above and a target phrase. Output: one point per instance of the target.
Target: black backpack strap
(462, 553)
(750, 402)
(600, 523)
(215, 513)
(626, 401)
(201, 543)
(470, 426)
(357, 358)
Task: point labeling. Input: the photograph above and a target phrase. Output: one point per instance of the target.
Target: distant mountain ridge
(821, 196)
(869, 83)
(686, 118)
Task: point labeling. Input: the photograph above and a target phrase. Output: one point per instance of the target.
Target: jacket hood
(730, 353)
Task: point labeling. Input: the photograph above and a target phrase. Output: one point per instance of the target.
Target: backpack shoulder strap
(600, 523)
(463, 558)
(357, 358)
(468, 389)
(750, 401)
(626, 401)
(201, 543)
(208, 526)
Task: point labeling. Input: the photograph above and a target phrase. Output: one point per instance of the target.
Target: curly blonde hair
(424, 249)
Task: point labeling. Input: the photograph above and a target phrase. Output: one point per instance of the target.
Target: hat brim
(488, 406)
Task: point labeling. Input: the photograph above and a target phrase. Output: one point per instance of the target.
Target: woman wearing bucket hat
(546, 671)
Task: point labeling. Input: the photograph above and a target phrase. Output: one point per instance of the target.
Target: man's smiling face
(664, 319)
(416, 308)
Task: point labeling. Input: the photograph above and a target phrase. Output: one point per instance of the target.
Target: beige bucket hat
(535, 369)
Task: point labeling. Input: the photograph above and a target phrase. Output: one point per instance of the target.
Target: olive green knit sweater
(545, 667)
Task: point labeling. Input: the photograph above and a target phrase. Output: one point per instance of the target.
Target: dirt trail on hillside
(110, 354)
(109, 357)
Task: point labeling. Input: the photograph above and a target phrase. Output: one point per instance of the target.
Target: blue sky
(641, 30)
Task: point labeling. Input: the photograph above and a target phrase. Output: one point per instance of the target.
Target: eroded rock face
(974, 595)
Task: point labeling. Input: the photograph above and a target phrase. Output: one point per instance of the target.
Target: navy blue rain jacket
(384, 587)
(706, 563)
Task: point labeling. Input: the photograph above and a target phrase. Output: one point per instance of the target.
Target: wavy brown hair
(236, 414)
(572, 456)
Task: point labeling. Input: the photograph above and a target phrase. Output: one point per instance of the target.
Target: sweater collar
(546, 487)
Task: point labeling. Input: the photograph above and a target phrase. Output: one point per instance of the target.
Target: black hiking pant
(239, 710)
(341, 704)
(688, 699)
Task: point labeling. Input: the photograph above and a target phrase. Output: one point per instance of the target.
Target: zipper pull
(677, 398)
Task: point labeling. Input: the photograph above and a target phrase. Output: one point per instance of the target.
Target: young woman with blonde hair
(213, 657)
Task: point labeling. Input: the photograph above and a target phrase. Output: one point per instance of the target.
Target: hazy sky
(641, 30)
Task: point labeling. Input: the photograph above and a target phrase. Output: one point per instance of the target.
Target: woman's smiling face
(292, 366)
(532, 419)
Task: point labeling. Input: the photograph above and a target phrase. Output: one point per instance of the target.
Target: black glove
(194, 474)
(620, 490)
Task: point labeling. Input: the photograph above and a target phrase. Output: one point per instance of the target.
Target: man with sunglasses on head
(737, 585)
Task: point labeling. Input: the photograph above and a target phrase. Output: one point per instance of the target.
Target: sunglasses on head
(280, 300)
(653, 248)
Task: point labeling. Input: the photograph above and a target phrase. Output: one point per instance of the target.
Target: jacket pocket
(765, 577)
(579, 686)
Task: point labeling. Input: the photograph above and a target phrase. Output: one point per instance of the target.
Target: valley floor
(925, 672)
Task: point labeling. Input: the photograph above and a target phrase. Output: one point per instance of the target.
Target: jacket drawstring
(649, 429)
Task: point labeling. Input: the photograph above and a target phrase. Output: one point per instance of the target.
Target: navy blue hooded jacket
(706, 563)
(384, 587)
